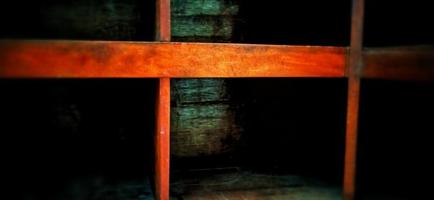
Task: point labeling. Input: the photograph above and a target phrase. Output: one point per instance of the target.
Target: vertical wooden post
(162, 136)
(354, 70)
(162, 30)
(162, 140)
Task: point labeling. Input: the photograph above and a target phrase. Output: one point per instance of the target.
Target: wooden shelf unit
(165, 60)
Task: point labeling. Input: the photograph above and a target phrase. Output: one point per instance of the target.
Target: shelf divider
(162, 136)
(353, 73)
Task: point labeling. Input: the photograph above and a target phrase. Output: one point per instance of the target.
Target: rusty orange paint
(399, 63)
(93, 59)
(162, 140)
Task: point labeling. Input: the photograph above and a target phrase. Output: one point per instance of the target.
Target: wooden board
(399, 63)
(93, 59)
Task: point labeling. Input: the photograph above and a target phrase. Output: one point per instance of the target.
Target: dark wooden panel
(399, 63)
(131, 20)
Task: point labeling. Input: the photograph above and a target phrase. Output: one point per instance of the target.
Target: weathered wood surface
(92, 59)
(248, 185)
(205, 20)
(204, 7)
(203, 120)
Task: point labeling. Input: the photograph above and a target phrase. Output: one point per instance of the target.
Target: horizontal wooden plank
(399, 63)
(98, 59)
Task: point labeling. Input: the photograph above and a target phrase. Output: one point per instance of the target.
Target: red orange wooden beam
(163, 28)
(92, 59)
(354, 72)
(162, 135)
(162, 140)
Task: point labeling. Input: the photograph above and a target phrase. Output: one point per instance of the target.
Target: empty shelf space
(66, 139)
(257, 138)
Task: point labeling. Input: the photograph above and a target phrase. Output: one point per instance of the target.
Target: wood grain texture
(79, 59)
(204, 21)
(162, 140)
(162, 135)
(399, 63)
